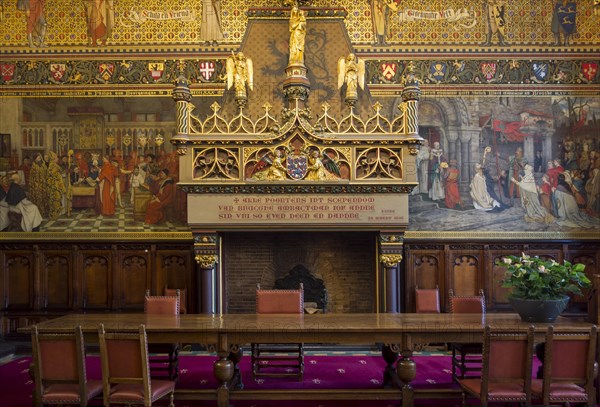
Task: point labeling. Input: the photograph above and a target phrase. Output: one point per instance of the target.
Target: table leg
(236, 356)
(407, 370)
(223, 370)
(390, 376)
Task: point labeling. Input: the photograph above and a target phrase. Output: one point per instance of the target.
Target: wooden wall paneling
(19, 278)
(174, 268)
(97, 282)
(56, 280)
(424, 268)
(465, 269)
(134, 275)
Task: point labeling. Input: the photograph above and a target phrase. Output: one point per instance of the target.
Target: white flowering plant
(534, 278)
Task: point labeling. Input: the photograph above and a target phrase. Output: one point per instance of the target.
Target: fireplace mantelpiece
(260, 175)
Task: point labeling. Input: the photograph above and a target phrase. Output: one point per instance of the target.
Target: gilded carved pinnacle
(206, 261)
(390, 260)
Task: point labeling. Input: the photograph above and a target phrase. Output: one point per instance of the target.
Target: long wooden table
(226, 333)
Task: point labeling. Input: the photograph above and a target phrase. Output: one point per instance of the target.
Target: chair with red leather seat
(59, 372)
(427, 300)
(278, 360)
(172, 292)
(126, 370)
(506, 369)
(466, 357)
(569, 367)
(164, 359)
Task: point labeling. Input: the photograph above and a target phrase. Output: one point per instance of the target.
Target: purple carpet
(321, 372)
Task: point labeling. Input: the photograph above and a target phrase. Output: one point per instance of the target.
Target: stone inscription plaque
(377, 210)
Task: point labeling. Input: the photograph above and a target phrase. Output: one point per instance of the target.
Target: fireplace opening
(345, 261)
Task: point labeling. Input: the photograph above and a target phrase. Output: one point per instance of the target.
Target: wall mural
(533, 164)
(512, 131)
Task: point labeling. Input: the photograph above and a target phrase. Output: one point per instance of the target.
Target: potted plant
(540, 287)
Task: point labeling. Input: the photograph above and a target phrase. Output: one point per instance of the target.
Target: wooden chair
(172, 292)
(427, 300)
(506, 369)
(466, 357)
(58, 362)
(126, 370)
(278, 360)
(164, 359)
(569, 369)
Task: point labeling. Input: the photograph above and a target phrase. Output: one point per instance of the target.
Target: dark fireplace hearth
(344, 261)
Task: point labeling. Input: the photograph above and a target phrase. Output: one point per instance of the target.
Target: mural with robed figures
(509, 113)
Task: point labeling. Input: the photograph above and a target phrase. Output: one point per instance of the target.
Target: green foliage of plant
(533, 278)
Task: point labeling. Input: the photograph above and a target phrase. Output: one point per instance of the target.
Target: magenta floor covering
(321, 372)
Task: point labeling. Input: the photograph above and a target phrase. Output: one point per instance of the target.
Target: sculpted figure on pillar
(297, 35)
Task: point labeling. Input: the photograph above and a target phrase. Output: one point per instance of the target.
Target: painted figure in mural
(530, 200)
(36, 21)
(163, 198)
(56, 189)
(495, 17)
(100, 19)
(567, 210)
(297, 35)
(37, 187)
(451, 178)
(380, 11)
(479, 192)
(516, 170)
(351, 72)
(564, 21)
(436, 184)
(240, 74)
(592, 189)
(14, 199)
(422, 169)
(210, 30)
(107, 187)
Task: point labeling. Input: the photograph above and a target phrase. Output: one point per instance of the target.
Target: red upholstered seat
(164, 359)
(172, 292)
(125, 370)
(59, 369)
(466, 357)
(427, 300)
(568, 368)
(506, 369)
(278, 360)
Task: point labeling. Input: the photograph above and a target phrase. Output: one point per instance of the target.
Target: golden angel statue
(351, 71)
(239, 75)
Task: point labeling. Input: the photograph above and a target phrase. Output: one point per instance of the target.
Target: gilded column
(390, 256)
(207, 282)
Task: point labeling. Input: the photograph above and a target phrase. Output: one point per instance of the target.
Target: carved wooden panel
(498, 296)
(97, 281)
(19, 291)
(173, 270)
(134, 280)
(465, 274)
(57, 282)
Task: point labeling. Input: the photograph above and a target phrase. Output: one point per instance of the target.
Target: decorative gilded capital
(182, 149)
(390, 260)
(206, 261)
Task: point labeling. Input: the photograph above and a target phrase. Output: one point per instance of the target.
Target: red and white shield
(489, 69)
(7, 71)
(106, 71)
(589, 70)
(156, 70)
(58, 72)
(388, 70)
(207, 69)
